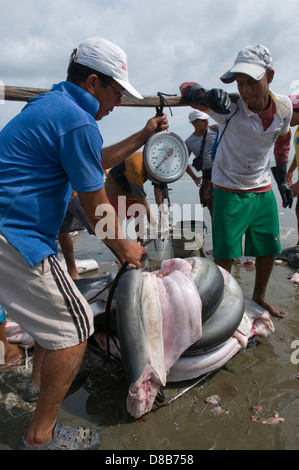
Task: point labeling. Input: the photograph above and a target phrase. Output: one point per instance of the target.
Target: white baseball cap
(195, 114)
(106, 57)
(253, 60)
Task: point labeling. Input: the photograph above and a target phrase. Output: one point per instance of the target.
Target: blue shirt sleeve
(81, 153)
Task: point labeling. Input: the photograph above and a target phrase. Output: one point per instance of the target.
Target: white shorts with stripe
(43, 300)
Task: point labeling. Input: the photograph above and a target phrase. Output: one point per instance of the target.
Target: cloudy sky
(167, 42)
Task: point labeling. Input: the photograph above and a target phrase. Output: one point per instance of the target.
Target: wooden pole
(15, 93)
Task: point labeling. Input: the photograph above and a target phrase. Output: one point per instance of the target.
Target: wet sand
(262, 375)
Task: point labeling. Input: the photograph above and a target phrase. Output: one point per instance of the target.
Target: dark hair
(77, 73)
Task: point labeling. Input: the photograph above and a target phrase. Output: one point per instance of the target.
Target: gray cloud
(167, 43)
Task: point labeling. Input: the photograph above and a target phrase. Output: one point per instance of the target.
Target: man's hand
(117, 153)
(290, 177)
(215, 99)
(197, 180)
(295, 189)
(155, 123)
(286, 194)
(132, 254)
(105, 224)
(280, 175)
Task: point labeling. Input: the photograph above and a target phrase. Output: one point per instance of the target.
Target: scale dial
(165, 157)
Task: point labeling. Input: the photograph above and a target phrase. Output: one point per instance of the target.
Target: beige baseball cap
(252, 60)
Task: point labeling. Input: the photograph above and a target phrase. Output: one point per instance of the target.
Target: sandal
(31, 393)
(20, 361)
(69, 438)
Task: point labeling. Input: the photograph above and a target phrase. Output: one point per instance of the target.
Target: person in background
(52, 147)
(244, 203)
(295, 189)
(10, 354)
(200, 143)
(295, 162)
(74, 220)
(124, 187)
(161, 193)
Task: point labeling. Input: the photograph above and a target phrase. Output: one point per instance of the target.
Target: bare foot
(76, 276)
(272, 309)
(13, 356)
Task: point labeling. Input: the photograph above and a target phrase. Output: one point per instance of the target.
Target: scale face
(165, 157)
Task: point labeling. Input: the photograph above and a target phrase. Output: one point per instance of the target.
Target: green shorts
(254, 215)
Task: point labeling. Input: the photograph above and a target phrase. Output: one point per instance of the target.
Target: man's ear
(91, 83)
(270, 75)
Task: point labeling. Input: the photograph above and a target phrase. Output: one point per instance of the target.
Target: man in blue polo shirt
(51, 147)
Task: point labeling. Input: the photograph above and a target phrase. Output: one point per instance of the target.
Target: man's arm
(295, 189)
(196, 179)
(149, 215)
(281, 154)
(116, 153)
(291, 170)
(215, 99)
(282, 148)
(104, 222)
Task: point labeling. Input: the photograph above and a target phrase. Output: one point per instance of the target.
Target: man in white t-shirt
(244, 203)
(200, 143)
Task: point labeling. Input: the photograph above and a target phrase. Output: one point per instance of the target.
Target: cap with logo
(252, 60)
(107, 58)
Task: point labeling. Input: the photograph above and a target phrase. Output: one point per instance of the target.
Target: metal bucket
(161, 246)
(187, 238)
(160, 249)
